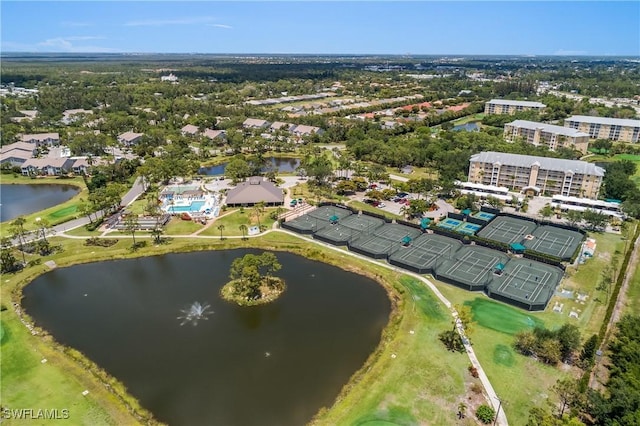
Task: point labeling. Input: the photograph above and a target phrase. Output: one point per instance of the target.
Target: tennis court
(554, 241)
(468, 228)
(507, 230)
(483, 216)
(384, 240)
(348, 228)
(424, 253)
(528, 284)
(326, 212)
(414, 259)
(449, 223)
(304, 224)
(471, 267)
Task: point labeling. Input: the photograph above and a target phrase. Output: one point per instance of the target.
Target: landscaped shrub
(93, 225)
(100, 242)
(485, 414)
(473, 371)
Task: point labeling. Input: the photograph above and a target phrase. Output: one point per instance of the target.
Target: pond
(467, 127)
(18, 200)
(278, 164)
(275, 364)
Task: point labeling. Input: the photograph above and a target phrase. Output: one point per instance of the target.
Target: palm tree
(258, 208)
(243, 229)
(18, 231)
(221, 228)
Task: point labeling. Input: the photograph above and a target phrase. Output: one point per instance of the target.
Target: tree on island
(252, 279)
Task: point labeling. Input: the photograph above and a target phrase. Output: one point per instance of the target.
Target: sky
(591, 28)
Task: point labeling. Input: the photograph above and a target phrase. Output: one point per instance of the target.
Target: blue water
(468, 127)
(279, 165)
(194, 207)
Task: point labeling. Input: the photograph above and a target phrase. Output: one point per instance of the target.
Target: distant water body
(18, 200)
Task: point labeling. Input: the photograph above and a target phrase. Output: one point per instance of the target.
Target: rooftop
(551, 128)
(545, 163)
(516, 103)
(604, 120)
(255, 190)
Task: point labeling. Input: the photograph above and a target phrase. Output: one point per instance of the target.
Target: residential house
(17, 153)
(278, 125)
(189, 130)
(47, 166)
(302, 130)
(255, 123)
(42, 139)
(130, 138)
(214, 134)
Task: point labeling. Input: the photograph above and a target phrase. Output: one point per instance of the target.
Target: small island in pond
(252, 282)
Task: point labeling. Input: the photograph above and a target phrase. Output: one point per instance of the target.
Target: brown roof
(255, 190)
(212, 134)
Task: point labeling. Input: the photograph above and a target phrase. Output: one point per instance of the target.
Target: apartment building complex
(536, 175)
(615, 129)
(549, 135)
(506, 106)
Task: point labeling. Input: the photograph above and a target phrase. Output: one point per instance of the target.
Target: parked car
(381, 205)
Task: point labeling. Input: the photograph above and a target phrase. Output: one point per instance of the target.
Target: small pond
(276, 364)
(467, 127)
(277, 164)
(17, 200)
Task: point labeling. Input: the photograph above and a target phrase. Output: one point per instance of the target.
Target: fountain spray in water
(195, 313)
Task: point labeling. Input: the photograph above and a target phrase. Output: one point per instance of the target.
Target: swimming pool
(195, 206)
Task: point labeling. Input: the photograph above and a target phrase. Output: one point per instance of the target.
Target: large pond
(276, 364)
(18, 200)
(279, 165)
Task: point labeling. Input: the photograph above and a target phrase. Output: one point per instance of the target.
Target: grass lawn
(418, 173)
(414, 380)
(232, 219)
(178, 226)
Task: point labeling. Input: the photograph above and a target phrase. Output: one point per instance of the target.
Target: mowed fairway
(500, 317)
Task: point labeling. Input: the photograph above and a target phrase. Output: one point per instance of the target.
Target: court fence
(377, 216)
(492, 210)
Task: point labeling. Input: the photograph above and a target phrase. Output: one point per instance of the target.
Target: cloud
(69, 44)
(562, 52)
(228, 27)
(165, 22)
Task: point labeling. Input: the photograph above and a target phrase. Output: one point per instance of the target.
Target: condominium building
(615, 129)
(506, 106)
(549, 135)
(536, 175)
